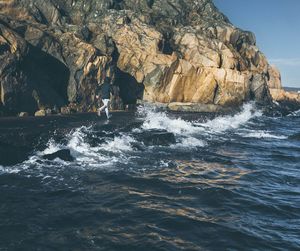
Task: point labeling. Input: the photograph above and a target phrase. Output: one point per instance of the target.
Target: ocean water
(157, 181)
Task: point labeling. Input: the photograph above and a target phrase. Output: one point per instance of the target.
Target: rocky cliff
(55, 53)
(289, 100)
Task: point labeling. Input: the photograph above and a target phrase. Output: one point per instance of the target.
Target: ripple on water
(229, 183)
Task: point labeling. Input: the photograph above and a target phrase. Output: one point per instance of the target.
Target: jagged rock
(56, 52)
(64, 154)
(259, 89)
(157, 137)
(281, 95)
(274, 81)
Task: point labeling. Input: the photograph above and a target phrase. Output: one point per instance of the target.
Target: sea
(151, 180)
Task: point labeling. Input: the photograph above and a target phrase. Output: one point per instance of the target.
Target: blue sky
(276, 24)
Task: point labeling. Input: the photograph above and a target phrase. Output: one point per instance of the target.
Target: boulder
(40, 113)
(65, 110)
(23, 114)
(64, 154)
(156, 137)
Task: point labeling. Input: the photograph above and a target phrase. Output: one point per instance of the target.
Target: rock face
(274, 81)
(57, 52)
(278, 94)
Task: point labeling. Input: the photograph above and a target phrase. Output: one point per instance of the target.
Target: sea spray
(224, 123)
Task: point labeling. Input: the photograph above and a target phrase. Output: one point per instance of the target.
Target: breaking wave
(119, 148)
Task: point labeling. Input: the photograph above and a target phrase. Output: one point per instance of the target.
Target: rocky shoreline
(185, 54)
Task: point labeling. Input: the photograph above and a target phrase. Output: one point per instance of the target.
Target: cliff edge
(54, 53)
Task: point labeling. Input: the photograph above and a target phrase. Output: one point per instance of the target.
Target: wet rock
(157, 137)
(281, 95)
(274, 80)
(65, 110)
(194, 107)
(23, 114)
(40, 113)
(64, 154)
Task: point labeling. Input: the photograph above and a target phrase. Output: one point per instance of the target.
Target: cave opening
(150, 3)
(116, 5)
(129, 89)
(165, 46)
(47, 76)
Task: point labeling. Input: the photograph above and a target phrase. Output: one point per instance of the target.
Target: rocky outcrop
(288, 99)
(55, 53)
(274, 81)
(280, 95)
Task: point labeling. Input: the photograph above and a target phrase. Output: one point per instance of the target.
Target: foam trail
(260, 134)
(13, 170)
(294, 114)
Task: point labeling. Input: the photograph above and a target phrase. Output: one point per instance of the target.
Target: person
(105, 91)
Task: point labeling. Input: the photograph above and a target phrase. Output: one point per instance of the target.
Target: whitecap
(261, 135)
(190, 142)
(119, 144)
(224, 123)
(160, 120)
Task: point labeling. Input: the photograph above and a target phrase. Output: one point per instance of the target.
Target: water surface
(226, 183)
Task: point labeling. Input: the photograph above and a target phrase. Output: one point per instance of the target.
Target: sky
(276, 25)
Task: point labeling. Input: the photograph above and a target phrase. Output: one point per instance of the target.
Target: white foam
(224, 123)
(190, 142)
(13, 169)
(52, 147)
(160, 120)
(261, 135)
(294, 114)
(119, 144)
(83, 152)
(119, 149)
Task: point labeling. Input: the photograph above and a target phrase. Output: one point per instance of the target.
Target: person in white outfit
(105, 90)
(105, 108)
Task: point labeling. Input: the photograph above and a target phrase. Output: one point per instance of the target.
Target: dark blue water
(228, 183)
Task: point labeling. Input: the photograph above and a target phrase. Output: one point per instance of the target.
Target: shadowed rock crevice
(47, 75)
(130, 89)
(166, 45)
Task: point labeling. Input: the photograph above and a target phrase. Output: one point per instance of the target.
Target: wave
(160, 120)
(178, 126)
(261, 134)
(224, 123)
(294, 114)
(107, 150)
